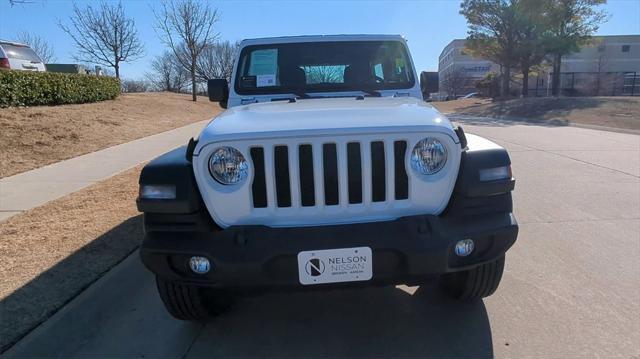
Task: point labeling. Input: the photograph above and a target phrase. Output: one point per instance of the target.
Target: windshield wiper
(373, 93)
(301, 95)
(297, 95)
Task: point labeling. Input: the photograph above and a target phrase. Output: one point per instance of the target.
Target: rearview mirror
(218, 90)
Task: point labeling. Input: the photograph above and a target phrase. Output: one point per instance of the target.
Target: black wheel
(473, 284)
(189, 302)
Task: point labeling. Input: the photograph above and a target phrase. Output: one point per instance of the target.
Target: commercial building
(607, 66)
(458, 71)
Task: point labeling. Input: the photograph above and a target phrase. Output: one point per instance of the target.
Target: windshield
(323, 67)
(20, 53)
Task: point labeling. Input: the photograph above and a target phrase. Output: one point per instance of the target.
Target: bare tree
(601, 67)
(187, 27)
(39, 45)
(216, 61)
(105, 72)
(104, 35)
(454, 81)
(167, 74)
(324, 74)
(15, 2)
(131, 86)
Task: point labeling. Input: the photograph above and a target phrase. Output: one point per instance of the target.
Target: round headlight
(428, 156)
(228, 166)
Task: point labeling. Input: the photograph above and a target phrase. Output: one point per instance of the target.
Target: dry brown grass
(51, 253)
(616, 112)
(32, 137)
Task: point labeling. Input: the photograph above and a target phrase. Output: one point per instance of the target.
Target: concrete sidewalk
(33, 188)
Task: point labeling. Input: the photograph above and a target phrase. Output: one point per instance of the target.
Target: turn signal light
(496, 173)
(157, 192)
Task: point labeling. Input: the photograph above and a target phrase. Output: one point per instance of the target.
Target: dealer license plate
(335, 265)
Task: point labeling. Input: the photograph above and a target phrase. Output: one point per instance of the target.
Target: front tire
(473, 284)
(190, 302)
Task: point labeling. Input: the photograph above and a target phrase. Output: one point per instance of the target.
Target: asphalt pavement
(571, 286)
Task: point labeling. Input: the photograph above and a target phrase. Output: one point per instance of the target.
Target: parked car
(471, 95)
(439, 96)
(17, 56)
(327, 170)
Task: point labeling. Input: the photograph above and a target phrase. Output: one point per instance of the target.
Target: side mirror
(428, 83)
(218, 90)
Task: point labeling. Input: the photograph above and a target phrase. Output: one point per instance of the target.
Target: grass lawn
(49, 254)
(32, 137)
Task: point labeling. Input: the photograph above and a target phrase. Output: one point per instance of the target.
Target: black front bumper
(405, 250)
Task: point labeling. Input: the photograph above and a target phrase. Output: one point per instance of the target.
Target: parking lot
(571, 286)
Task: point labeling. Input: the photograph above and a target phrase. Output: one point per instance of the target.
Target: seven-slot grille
(386, 167)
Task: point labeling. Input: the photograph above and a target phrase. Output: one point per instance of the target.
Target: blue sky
(428, 25)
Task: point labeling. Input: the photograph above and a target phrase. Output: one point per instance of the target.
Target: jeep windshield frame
(324, 67)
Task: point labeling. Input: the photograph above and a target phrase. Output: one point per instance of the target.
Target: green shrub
(26, 88)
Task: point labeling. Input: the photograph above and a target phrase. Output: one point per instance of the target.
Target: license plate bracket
(335, 265)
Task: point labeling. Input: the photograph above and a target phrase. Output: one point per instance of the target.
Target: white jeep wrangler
(327, 170)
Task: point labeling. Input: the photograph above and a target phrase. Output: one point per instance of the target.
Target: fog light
(199, 265)
(464, 247)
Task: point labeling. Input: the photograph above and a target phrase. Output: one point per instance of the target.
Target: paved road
(33, 188)
(571, 286)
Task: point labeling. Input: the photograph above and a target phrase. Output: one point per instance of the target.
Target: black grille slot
(283, 187)
(402, 181)
(259, 186)
(308, 174)
(354, 168)
(378, 182)
(330, 164)
(307, 186)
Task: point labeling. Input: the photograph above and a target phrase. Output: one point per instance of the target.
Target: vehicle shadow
(372, 322)
(540, 106)
(41, 297)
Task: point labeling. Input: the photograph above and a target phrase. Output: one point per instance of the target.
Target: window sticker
(248, 81)
(377, 70)
(266, 80)
(264, 62)
(399, 65)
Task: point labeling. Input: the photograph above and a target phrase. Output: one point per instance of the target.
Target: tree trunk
(117, 68)
(194, 96)
(525, 81)
(506, 78)
(555, 80)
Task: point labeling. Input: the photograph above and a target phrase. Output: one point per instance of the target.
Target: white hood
(325, 116)
(316, 122)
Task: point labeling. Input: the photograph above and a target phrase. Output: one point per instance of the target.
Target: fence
(631, 84)
(571, 84)
(589, 84)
